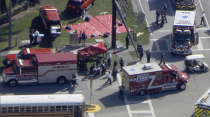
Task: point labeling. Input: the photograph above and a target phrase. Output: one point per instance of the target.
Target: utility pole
(10, 26)
(114, 27)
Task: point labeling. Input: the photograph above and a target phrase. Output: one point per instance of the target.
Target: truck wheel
(206, 70)
(12, 83)
(182, 86)
(61, 80)
(142, 92)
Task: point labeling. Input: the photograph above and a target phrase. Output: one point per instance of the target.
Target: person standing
(202, 19)
(141, 51)
(148, 53)
(162, 21)
(92, 67)
(165, 11)
(73, 81)
(36, 34)
(84, 37)
(109, 78)
(162, 59)
(121, 92)
(81, 64)
(103, 69)
(109, 59)
(80, 36)
(157, 16)
(31, 37)
(127, 41)
(114, 74)
(115, 63)
(103, 61)
(105, 52)
(121, 63)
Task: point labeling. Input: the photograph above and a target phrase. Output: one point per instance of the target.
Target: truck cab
(184, 34)
(51, 20)
(79, 6)
(24, 54)
(185, 4)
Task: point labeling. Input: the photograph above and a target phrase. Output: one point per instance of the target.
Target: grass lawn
(133, 55)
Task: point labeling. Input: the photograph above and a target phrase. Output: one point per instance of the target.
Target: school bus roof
(55, 57)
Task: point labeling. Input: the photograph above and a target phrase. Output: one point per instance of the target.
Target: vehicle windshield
(75, 3)
(54, 23)
(20, 55)
(182, 38)
(15, 68)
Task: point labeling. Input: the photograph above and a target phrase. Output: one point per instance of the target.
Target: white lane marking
(150, 105)
(78, 91)
(203, 29)
(91, 115)
(205, 37)
(200, 45)
(157, 46)
(138, 102)
(145, 111)
(171, 8)
(205, 14)
(145, 17)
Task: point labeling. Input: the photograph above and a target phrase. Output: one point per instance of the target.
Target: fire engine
(202, 106)
(79, 6)
(152, 78)
(24, 54)
(185, 4)
(184, 34)
(51, 20)
(41, 68)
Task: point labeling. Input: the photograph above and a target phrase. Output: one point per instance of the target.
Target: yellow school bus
(63, 105)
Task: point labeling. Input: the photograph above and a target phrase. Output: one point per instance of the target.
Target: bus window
(22, 109)
(70, 108)
(46, 109)
(28, 109)
(40, 109)
(64, 108)
(58, 108)
(4, 109)
(10, 109)
(34, 109)
(16, 109)
(52, 108)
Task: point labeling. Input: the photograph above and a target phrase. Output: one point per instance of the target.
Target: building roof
(41, 100)
(55, 57)
(184, 18)
(204, 100)
(140, 68)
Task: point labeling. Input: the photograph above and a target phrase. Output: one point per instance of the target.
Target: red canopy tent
(92, 50)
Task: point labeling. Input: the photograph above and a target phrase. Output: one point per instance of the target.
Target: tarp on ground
(92, 50)
(97, 25)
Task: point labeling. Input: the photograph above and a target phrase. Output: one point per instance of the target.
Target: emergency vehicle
(202, 106)
(79, 6)
(185, 4)
(184, 34)
(42, 68)
(24, 54)
(51, 20)
(152, 78)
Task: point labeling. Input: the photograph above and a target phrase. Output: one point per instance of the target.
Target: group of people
(33, 36)
(162, 14)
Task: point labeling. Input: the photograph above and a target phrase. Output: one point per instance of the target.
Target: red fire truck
(185, 4)
(151, 78)
(42, 68)
(184, 34)
(24, 54)
(79, 6)
(51, 20)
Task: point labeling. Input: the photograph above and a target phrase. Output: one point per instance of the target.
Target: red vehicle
(151, 78)
(185, 4)
(24, 54)
(79, 6)
(51, 20)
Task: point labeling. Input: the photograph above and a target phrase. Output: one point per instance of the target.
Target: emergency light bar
(28, 50)
(168, 66)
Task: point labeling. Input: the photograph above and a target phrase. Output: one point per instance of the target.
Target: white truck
(42, 68)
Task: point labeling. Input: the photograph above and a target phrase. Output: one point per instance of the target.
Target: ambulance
(184, 34)
(152, 78)
(42, 68)
(24, 54)
(202, 105)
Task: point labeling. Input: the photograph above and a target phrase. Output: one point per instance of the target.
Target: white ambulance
(42, 68)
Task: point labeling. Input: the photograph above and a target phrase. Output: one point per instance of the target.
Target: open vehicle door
(196, 37)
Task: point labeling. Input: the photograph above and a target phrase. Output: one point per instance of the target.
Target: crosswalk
(164, 45)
